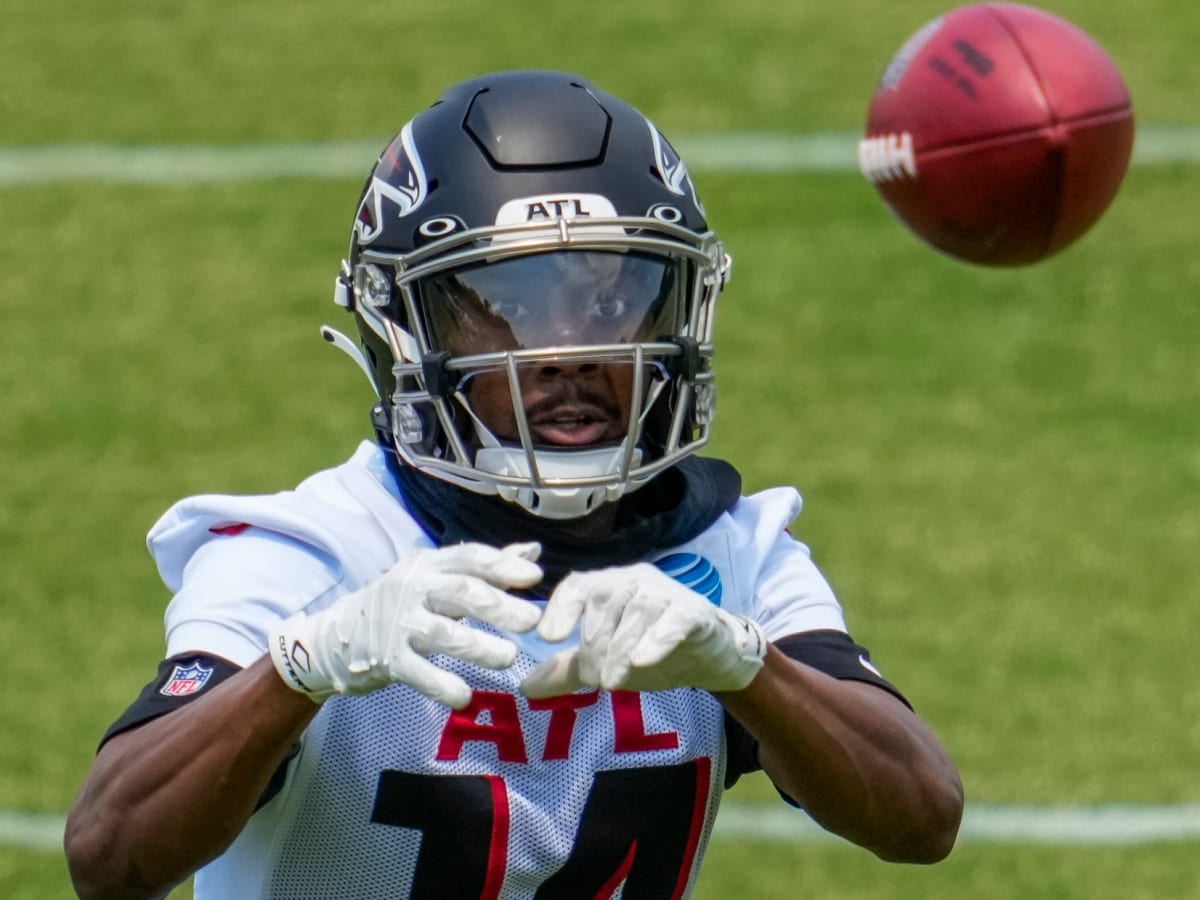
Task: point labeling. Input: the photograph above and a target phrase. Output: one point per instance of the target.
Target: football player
(520, 643)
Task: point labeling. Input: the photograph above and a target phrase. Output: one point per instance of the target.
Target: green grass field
(1001, 468)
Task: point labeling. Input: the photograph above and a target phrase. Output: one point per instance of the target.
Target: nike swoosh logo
(866, 664)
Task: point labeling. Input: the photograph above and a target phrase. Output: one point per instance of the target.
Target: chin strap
(550, 502)
(558, 502)
(347, 346)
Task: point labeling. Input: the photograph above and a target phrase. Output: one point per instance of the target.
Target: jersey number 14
(622, 838)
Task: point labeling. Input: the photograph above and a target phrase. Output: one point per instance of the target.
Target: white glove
(382, 634)
(642, 631)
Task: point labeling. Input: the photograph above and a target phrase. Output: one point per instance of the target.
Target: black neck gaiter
(674, 507)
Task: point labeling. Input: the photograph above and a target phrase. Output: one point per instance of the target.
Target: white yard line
(1084, 826)
(191, 164)
(31, 831)
(1089, 826)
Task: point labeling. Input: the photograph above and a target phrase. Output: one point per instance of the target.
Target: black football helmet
(527, 222)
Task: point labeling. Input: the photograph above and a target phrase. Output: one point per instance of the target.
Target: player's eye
(608, 308)
(509, 310)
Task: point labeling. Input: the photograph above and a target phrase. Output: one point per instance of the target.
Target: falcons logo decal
(400, 178)
(671, 170)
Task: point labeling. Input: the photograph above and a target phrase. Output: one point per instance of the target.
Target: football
(999, 134)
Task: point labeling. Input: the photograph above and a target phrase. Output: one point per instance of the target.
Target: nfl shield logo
(187, 679)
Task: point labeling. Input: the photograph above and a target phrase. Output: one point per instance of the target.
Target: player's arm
(854, 756)
(165, 797)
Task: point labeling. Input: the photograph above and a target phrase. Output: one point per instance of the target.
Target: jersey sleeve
(792, 596)
(236, 587)
(233, 584)
(237, 565)
(773, 577)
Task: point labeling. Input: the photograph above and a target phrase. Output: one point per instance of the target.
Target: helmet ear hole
(381, 424)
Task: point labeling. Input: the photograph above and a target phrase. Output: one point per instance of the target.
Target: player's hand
(643, 631)
(382, 634)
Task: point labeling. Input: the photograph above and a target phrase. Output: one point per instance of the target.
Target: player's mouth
(573, 426)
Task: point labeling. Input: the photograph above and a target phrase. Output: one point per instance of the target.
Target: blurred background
(1001, 468)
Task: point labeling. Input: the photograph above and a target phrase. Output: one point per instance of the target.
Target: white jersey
(592, 794)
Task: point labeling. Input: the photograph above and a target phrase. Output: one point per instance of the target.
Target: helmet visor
(558, 299)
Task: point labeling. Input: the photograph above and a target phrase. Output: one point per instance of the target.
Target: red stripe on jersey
(699, 811)
(230, 530)
(619, 876)
(498, 851)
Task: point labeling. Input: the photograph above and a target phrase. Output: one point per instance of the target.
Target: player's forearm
(166, 797)
(861, 763)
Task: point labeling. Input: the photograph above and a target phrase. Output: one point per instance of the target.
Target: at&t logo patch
(693, 571)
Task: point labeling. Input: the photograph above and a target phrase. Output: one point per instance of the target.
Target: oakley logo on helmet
(441, 226)
(400, 178)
